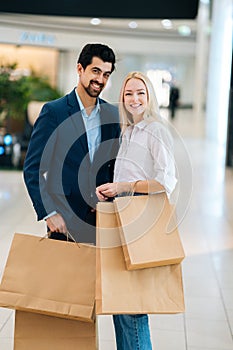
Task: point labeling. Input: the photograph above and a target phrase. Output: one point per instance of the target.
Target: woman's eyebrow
(136, 90)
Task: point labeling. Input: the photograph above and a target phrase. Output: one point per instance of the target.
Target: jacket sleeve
(34, 170)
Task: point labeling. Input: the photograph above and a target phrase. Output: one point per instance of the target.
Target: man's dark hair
(89, 51)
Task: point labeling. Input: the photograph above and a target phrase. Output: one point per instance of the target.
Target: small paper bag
(148, 231)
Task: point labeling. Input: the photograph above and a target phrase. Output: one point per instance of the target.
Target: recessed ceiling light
(95, 21)
(167, 23)
(133, 24)
(184, 30)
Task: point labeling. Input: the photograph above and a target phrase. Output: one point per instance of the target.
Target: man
(174, 100)
(72, 150)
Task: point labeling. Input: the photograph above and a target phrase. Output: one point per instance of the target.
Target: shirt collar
(82, 109)
(141, 125)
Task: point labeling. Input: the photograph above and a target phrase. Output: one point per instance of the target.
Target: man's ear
(79, 68)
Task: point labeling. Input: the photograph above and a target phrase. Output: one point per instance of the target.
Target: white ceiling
(145, 28)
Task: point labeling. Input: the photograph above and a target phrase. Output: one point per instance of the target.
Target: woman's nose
(135, 97)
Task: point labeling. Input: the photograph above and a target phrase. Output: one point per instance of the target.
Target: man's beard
(91, 92)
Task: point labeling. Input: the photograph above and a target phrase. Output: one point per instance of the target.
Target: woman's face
(135, 97)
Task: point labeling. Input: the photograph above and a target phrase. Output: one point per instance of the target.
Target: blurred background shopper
(174, 100)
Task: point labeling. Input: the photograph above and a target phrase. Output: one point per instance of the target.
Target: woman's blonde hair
(152, 111)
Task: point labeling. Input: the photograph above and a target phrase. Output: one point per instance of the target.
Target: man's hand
(56, 223)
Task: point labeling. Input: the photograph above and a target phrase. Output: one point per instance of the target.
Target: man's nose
(100, 78)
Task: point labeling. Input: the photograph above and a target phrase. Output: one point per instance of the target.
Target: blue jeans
(132, 332)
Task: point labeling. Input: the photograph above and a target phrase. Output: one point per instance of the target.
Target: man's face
(94, 78)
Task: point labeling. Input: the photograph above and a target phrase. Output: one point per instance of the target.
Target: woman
(144, 164)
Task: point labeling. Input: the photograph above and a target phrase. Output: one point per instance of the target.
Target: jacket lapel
(104, 148)
(77, 121)
(105, 122)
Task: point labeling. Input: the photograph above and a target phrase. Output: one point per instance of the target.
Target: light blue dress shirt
(92, 124)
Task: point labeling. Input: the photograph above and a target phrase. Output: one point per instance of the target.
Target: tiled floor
(206, 228)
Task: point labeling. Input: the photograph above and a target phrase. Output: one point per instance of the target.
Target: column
(229, 147)
(219, 71)
(202, 48)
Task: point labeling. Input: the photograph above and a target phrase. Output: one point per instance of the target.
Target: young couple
(80, 152)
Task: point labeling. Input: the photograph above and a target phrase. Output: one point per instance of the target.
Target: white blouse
(146, 153)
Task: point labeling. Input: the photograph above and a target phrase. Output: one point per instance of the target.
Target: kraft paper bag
(41, 332)
(148, 231)
(50, 277)
(120, 291)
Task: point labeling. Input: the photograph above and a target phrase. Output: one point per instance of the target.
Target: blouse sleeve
(161, 147)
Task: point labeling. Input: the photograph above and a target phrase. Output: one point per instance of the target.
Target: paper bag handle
(131, 193)
(68, 234)
(133, 187)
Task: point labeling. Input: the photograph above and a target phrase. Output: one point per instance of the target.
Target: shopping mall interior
(195, 55)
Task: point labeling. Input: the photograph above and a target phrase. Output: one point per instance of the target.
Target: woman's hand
(107, 190)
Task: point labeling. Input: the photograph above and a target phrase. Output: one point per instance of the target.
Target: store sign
(37, 38)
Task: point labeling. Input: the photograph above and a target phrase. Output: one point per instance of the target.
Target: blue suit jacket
(57, 169)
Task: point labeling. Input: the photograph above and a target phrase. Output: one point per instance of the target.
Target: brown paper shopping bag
(120, 291)
(42, 332)
(148, 231)
(51, 277)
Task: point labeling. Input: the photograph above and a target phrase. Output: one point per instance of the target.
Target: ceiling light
(133, 24)
(167, 23)
(184, 30)
(95, 21)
